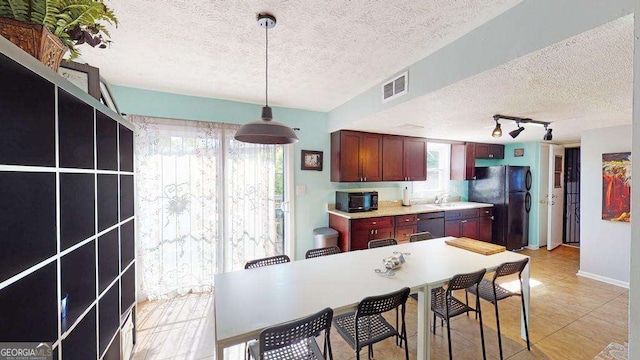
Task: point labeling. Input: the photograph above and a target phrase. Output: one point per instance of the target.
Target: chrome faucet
(441, 199)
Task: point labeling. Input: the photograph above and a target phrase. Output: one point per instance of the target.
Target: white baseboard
(604, 279)
(532, 247)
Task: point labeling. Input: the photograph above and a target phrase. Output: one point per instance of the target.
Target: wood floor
(572, 318)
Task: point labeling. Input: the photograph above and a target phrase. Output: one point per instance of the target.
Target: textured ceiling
(584, 82)
(321, 53)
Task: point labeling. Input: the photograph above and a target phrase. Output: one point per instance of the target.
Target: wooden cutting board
(477, 246)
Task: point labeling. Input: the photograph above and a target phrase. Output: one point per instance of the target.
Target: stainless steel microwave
(356, 201)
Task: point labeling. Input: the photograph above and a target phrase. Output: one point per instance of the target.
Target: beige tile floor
(572, 318)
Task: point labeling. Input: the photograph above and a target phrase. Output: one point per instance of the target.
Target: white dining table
(248, 301)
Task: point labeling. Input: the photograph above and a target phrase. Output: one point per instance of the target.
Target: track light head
(497, 131)
(548, 136)
(514, 134)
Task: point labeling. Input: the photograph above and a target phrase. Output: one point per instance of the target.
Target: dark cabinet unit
(463, 161)
(463, 158)
(356, 156)
(365, 230)
(365, 157)
(404, 158)
(405, 226)
(489, 151)
(471, 223)
(485, 224)
(66, 162)
(355, 234)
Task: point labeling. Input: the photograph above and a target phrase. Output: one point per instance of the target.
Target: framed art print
(311, 160)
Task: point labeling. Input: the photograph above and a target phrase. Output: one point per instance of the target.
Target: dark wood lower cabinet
(355, 234)
(469, 228)
(471, 223)
(360, 238)
(485, 228)
(452, 228)
(403, 232)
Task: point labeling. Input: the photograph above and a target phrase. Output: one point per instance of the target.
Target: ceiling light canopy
(497, 131)
(266, 131)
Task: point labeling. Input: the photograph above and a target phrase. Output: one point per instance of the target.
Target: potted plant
(46, 29)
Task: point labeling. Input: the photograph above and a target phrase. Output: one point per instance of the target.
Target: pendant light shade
(266, 131)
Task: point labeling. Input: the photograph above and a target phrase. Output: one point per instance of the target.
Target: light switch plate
(301, 189)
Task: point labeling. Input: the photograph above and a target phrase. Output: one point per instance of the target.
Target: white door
(543, 185)
(556, 198)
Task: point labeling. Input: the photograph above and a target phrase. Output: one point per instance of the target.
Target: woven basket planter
(35, 39)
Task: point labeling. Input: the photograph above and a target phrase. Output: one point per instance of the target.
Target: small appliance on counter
(351, 201)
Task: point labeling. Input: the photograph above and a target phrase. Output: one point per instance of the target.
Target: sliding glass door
(206, 203)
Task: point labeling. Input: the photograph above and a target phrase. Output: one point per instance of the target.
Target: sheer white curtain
(196, 186)
(250, 193)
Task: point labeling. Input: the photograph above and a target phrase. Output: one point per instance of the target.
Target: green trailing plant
(74, 22)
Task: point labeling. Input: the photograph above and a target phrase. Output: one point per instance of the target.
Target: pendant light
(266, 131)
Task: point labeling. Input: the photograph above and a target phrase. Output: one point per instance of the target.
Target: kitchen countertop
(393, 210)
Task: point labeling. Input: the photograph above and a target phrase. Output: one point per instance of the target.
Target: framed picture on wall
(84, 76)
(311, 160)
(518, 152)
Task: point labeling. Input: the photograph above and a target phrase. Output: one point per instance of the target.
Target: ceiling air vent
(396, 87)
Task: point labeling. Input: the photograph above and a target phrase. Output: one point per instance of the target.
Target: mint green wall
(310, 207)
(531, 159)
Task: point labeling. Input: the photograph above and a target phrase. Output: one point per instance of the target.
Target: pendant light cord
(266, 66)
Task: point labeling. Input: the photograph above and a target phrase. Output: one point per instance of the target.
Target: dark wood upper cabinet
(415, 159)
(371, 157)
(356, 156)
(404, 158)
(463, 161)
(489, 151)
(392, 154)
(364, 157)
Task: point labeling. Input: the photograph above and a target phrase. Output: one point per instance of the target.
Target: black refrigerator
(507, 188)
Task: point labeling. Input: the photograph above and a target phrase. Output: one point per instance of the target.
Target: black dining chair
(325, 251)
(381, 243)
(492, 292)
(295, 339)
(420, 236)
(272, 260)
(445, 306)
(367, 326)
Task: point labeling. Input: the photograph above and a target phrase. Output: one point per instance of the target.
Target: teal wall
(310, 207)
(531, 159)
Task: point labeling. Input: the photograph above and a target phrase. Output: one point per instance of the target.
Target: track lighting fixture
(548, 136)
(497, 131)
